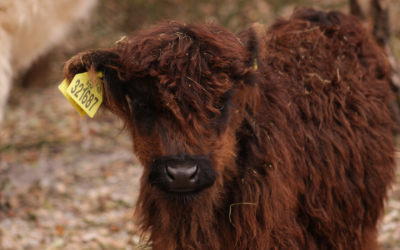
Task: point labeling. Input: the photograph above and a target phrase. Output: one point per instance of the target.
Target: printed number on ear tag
(85, 96)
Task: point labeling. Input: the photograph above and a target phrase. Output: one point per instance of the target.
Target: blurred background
(70, 182)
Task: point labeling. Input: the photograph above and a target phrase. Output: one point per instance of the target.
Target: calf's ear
(108, 62)
(250, 41)
(91, 61)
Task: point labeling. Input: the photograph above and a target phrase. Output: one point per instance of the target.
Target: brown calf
(261, 140)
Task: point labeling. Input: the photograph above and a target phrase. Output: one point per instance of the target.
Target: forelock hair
(192, 66)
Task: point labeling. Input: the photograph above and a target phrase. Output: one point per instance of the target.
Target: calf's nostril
(170, 173)
(194, 173)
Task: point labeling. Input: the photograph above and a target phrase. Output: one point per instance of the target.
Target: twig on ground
(16, 245)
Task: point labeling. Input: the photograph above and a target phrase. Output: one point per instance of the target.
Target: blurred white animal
(28, 29)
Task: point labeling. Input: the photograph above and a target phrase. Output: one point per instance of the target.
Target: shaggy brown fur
(301, 144)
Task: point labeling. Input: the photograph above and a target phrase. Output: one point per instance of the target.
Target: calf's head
(183, 91)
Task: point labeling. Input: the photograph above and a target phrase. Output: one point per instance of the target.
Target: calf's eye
(220, 106)
(142, 105)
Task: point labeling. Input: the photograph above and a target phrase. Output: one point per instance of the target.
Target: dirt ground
(70, 182)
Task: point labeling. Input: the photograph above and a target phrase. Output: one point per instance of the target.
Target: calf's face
(183, 93)
(184, 148)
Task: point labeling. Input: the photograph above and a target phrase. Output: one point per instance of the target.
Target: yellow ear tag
(85, 96)
(63, 88)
